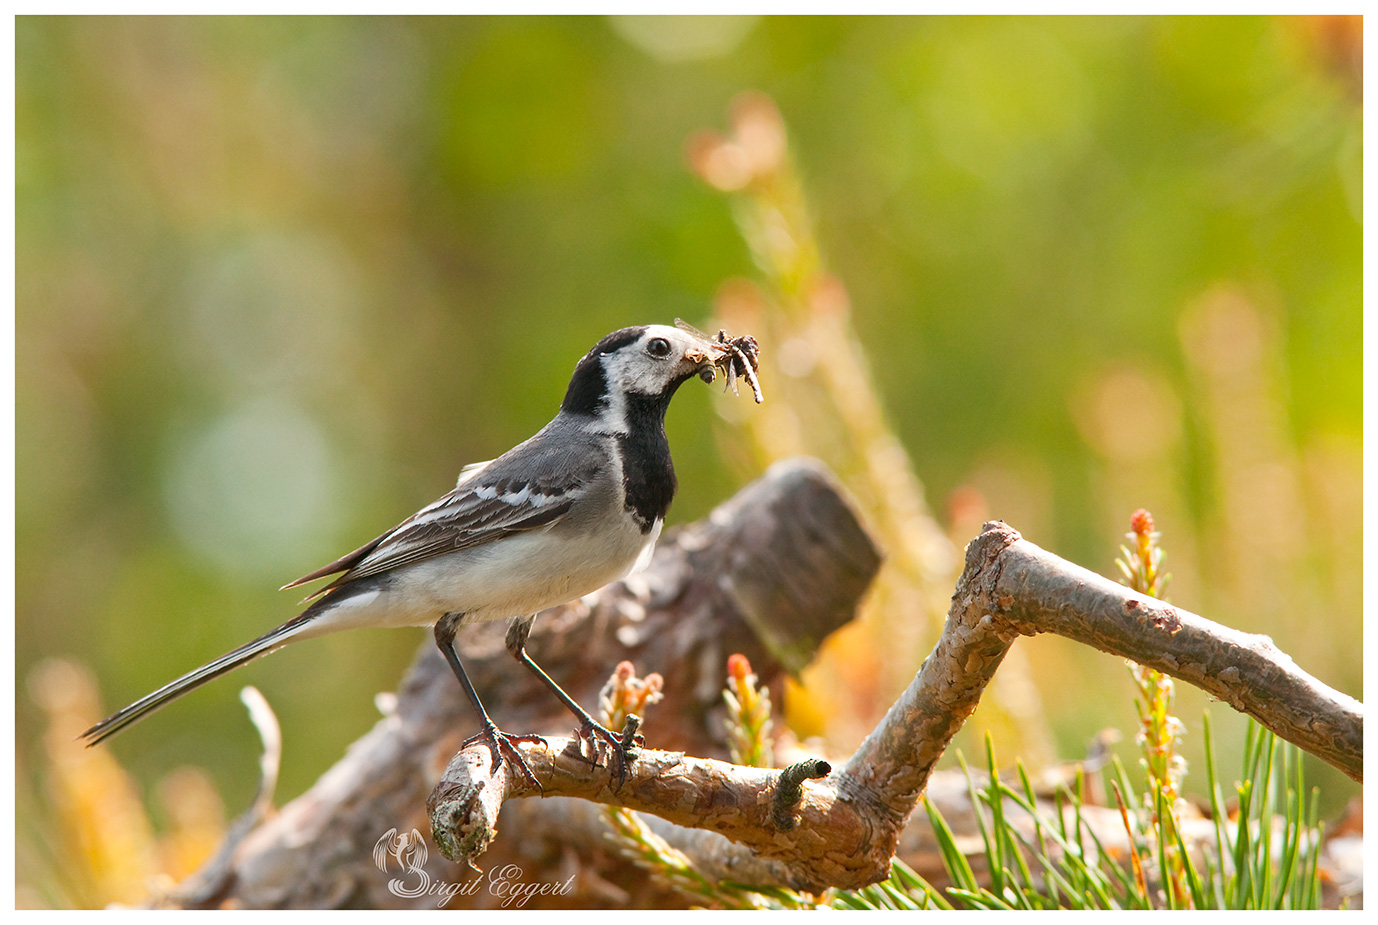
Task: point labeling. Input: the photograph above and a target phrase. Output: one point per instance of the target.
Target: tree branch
(1036, 592)
(743, 804)
(849, 823)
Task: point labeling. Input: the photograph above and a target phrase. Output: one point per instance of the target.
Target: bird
(578, 505)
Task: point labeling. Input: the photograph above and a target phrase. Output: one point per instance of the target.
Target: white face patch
(637, 368)
(633, 369)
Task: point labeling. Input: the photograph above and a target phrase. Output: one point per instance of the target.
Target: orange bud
(738, 667)
(1141, 522)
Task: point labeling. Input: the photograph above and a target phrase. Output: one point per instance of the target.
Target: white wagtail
(575, 507)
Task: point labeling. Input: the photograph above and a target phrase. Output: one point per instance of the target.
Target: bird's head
(651, 361)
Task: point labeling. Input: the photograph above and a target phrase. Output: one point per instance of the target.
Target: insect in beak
(737, 357)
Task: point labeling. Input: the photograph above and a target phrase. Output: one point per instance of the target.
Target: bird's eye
(659, 348)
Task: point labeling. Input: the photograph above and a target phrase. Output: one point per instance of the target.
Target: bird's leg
(622, 747)
(500, 743)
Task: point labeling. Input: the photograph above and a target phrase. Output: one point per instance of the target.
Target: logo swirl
(408, 852)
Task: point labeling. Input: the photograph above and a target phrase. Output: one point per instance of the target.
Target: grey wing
(461, 519)
(486, 505)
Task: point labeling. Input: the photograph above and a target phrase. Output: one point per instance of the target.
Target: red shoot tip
(738, 667)
(1141, 522)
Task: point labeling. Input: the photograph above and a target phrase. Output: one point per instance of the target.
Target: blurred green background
(279, 279)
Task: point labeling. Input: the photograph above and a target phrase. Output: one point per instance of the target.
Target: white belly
(513, 577)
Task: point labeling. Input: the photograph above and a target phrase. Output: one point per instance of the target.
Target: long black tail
(268, 642)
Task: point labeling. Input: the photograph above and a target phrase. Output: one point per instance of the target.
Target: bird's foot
(623, 748)
(503, 747)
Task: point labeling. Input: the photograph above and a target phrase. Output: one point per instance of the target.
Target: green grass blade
(981, 899)
(1243, 851)
(904, 889)
(907, 880)
(1098, 883)
(1223, 846)
(1293, 829)
(999, 829)
(1062, 839)
(1164, 871)
(1249, 755)
(1312, 899)
(1056, 883)
(900, 899)
(1194, 885)
(1215, 880)
(1022, 874)
(1016, 896)
(977, 799)
(1029, 802)
(1263, 841)
(956, 863)
(1083, 884)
